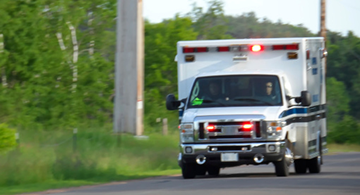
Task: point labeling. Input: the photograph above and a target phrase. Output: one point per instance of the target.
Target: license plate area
(229, 157)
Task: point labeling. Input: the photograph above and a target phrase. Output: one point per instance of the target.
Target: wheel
(314, 164)
(188, 171)
(300, 166)
(282, 167)
(200, 170)
(214, 171)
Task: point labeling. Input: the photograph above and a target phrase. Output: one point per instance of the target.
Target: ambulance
(251, 102)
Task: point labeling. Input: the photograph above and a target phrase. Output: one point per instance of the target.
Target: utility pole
(129, 68)
(322, 24)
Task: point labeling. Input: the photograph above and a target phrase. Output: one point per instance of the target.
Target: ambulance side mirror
(171, 102)
(305, 98)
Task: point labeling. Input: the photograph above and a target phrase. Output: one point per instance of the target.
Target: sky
(341, 15)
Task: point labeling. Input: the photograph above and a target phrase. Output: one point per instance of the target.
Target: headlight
(274, 128)
(186, 132)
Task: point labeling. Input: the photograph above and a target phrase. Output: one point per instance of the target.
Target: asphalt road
(340, 174)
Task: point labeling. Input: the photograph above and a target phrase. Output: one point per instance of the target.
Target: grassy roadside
(99, 158)
(51, 185)
(50, 160)
(336, 148)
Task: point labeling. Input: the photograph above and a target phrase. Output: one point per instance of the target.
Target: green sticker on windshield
(197, 102)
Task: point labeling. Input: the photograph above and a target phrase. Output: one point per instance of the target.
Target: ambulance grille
(220, 135)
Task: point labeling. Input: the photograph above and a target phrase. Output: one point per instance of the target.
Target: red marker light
(210, 127)
(292, 47)
(307, 54)
(286, 47)
(188, 50)
(257, 48)
(247, 126)
(223, 49)
(201, 49)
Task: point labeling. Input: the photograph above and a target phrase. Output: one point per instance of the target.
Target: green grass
(40, 163)
(336, 148)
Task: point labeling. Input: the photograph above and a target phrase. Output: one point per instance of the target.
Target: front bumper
(271, 152)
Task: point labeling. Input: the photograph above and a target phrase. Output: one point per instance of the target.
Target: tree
(337, 100)
(211, 24)
(160, 67)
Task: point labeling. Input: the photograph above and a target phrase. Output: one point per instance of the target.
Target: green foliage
(99, 156)
(212, 23)
(160, 67)
(347, 131)
(337, 100)
(343, 64)
(248, 25)
(7, 138)
(39, 74)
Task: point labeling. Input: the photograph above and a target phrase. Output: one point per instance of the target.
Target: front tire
(188, 171)
(214, 171)
(200, 170)
(281, 168)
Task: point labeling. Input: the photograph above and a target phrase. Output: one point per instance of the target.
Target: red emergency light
(256, 48)
(195, 49)
(247, 127)
(210, 128)
(223, 49)
(286, 47)
(253, 48)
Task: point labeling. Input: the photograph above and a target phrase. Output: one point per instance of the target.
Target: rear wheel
(188, 171)
(314, 164)
(300, 166)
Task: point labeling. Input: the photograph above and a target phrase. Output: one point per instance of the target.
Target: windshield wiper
(253, 100)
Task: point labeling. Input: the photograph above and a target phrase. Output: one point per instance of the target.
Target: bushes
(49, 156)
(346, 131)
(7, 138)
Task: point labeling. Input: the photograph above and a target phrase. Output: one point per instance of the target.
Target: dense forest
(57, 62)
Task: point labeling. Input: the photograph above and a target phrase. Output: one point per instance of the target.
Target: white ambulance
(251, 101)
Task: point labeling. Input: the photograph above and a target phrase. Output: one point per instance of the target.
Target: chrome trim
(200, 159)
(289, 157)
(258, 158)
(324, 151)
(277, 149)
(313, 155)
(204, 148)
(192, 150)
(226, 118)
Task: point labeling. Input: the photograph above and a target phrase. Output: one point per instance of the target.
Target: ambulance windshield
(236, 90)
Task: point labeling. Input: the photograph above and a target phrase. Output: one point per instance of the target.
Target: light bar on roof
(241, 48)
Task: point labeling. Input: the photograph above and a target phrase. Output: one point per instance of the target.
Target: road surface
(340, 174)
